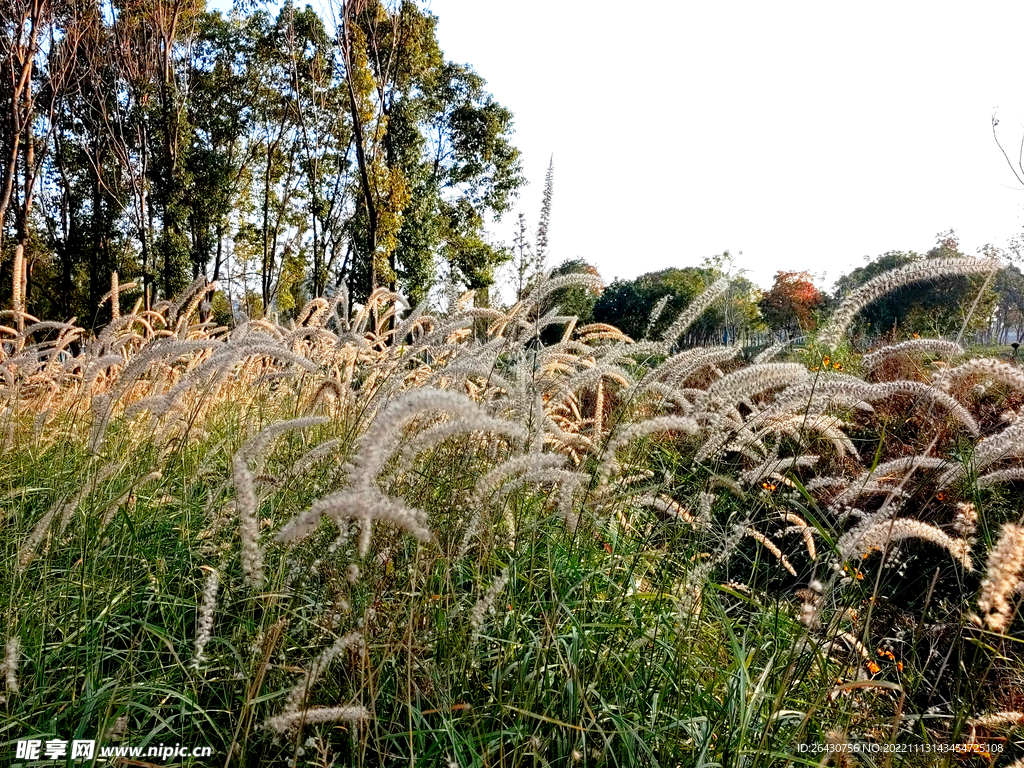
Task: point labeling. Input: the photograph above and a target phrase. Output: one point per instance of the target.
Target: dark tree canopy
(628, 304)
(937, 307)
(278, 153)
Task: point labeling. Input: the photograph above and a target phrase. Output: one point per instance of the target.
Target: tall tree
(790, 303)
(429, 139)
(261, 149)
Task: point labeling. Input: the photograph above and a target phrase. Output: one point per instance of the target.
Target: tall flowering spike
(1004, 577)
(545, 215)
(917, 272)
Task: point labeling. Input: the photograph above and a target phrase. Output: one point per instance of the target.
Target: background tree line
(269, 152)
(793, 306)
(287, 158)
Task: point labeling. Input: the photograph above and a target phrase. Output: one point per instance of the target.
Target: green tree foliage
(938, 307)
(430, 142)
(628, 304)
(277, 152)
(790, 304)
(1009, 314)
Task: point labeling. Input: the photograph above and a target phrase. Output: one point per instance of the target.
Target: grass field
(395, 539)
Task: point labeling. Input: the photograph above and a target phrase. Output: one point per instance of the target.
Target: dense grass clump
(391, 540)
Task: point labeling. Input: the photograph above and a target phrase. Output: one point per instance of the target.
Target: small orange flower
(768, 486)
(899, 666)
(873, 668)
(941, 496)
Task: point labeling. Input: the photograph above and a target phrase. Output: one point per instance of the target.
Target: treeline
(281, 156)
(987, 309)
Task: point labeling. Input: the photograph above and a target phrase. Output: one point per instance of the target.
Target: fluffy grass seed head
(206, 609)
(12, 657)
(485, 603)
(246, 504)
(299, 693)
(291, 721)
(929, 269)
(1004, 577)
(877, 536)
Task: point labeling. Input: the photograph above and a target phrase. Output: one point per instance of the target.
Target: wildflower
(873, 668)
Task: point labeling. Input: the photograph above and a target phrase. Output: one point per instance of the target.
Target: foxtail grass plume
(246, 504)
(12, 658)
(1004, 578)
(485, 603)
(873, 360)
(206, 609)
(291, 721)
(695, 309)
(301, 691)
(878, 536)
(929, 269)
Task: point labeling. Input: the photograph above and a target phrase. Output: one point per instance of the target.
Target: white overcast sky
(805, 134)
